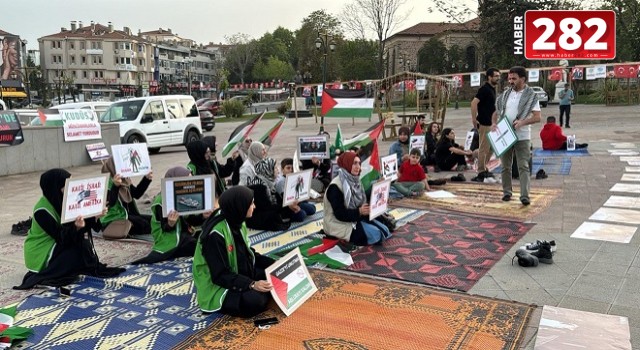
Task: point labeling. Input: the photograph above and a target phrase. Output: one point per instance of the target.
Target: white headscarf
(255, 152)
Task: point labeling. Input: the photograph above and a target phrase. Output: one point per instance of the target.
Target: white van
(157, 120)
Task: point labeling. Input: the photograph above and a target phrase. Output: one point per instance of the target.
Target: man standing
(482, 108)
(519, 104)
(566, 96)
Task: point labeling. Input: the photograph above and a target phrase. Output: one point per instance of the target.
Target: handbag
(117, 229)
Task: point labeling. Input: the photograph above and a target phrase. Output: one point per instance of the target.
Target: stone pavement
(588, 275)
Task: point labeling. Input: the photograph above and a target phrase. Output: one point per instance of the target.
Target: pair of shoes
(541, 174)
(21, 228)
(490, 180)
(437, 182)
(458, 178)
(525, 259)
(544, 253)
(538, 243)
(525, 201)
(506, 198)
(478, 178)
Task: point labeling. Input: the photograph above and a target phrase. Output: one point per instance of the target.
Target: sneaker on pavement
(536, 245)
(544, 253)
(525, 259)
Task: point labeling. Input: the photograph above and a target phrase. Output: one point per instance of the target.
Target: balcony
(95, 51)
(126, 67)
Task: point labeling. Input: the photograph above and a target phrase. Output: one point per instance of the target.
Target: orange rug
(351, 312)
(485, 200)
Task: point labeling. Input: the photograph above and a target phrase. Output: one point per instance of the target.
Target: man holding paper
(519, 104)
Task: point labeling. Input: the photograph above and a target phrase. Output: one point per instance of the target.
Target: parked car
(53, 115)
(207, 121)
(244, 98)
(200, 101)
(213, 106)
(543, 98)
(159, 121)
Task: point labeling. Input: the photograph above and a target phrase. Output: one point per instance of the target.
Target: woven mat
(350, 312)
(445, 250)
(148, 307)
(551, 165)
(582, 152)
(485, 200)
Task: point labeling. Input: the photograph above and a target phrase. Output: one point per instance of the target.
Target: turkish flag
(556, 74)
(625, 71)
(411, 84)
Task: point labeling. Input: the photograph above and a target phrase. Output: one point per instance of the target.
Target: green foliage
(432, 57)
(233, 108)
(357, 59)
(309, 58)
(627, 28)
(283, 108)
(240, 57)
(410, 99)
(274, 68)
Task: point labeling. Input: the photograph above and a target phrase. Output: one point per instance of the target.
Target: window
(84, 59)
(97, 59)
(125, 46)
(98, 74)
(155, 110)
(175, 110)
(140, 62)
(118, 75)
(82, 45)
(74, 74)
(84, 74)
(189, 107)
(140, 48)
(73, 59)
(96, 45)
(72, 46)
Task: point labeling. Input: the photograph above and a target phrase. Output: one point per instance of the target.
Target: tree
(240, 57)
(272, 70)
(357, 59)
(270, 46)
(627, 29)
(309, 59)
(379, 16)
(288, 38)
(431, 57)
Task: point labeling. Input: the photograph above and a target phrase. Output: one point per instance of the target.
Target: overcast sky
(200, 20)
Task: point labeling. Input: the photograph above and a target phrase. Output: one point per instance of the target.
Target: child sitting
(412, 180)
(297, 211)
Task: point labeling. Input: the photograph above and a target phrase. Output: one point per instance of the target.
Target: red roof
(100, 32)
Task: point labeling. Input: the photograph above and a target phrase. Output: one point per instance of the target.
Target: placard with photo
(297, 187)
(131, 159)
(379, 201)
(417, 141)
(313, 146)
(85, 196)
(188, 195)
(389, 165)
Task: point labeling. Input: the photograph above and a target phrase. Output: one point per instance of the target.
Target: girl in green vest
(175, 235)
(229, 274)
(55, 253)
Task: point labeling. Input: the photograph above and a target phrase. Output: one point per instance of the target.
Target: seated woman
(121, 203)
(243, 151)
(257, 152)
(55, 253)
(449, 153)
(401, 147)
(228, 274)
(174, 236)
(430, 142)
(297, 211)
(346, 209)
(220, 171)
(266, 216)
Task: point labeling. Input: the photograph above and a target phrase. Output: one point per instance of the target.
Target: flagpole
(322, 42)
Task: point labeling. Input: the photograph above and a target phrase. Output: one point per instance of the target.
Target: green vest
(117, 211)
(192, 168)
(209, 295)
(163, 241)
(38, 246)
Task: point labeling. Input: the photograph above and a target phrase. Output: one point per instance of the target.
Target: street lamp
(187, 63)
(404, 62)
(322, 42)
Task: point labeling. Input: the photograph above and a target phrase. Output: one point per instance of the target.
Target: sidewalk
(589, 275)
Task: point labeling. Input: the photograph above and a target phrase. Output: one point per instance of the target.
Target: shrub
(233, 108)
(282, 109)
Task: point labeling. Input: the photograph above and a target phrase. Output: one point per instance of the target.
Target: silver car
(542, 95)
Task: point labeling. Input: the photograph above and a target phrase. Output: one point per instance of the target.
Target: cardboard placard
(188, 195)
(503, 138)
(379, 202)
(313, 146)
(292, 283)
(131, 159)
(80, 124)
(417, 141)
(296, 187)
(389, 165)
(86, 197)
(97, 151)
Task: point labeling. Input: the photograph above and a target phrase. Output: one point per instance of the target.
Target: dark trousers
(452, 160)
(140, 224)
(246, 304)
(565, 109)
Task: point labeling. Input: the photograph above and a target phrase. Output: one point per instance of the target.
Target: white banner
(131, 159)
(319, 93)
(84, 197)
(475, 79)
(80, 124)
(421, 84)
(596, 72)
(534, 75)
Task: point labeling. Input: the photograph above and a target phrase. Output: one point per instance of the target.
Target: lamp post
(404, 62)
(326, 43)
(187, 67)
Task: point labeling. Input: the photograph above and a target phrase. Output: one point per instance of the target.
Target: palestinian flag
(269, 136)
(367, 141)
(291, 282)
(49, 117)
(240, 133)
(346, 103)
(9, 332)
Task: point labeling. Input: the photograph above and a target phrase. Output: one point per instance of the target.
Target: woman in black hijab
(229, 274)
(220, 171)
(55, 253)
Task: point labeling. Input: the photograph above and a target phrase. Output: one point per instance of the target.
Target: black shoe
(525, 259)
(21, 228)
(544, 253)
(437, 182)
(532, 247)
(567, 126)
(506, 198)
(525, 201)
(541, 174)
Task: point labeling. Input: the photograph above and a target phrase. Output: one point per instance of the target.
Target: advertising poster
(188, 195)
(379, 199)
(292, 284)
(313, 146)
(417, 141)
(84, 197)
(80, 124)
(97, 151)
(296, 187)
(10, 129)
(389, 165)
(131, 159)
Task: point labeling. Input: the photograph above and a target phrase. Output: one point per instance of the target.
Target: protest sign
(131, 159)
(379, 198)
(80, 124)
(188, 195)
(97, 151)
(389, 165)
(84, 197)
(10, 129)
(313, 146)
(296, 187)
(292, 284)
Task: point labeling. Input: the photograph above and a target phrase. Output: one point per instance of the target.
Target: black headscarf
(234, 204)
(51, 181)
(210, 141)
(197, 152)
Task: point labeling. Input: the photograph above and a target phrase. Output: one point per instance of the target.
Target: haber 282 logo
(573, 35)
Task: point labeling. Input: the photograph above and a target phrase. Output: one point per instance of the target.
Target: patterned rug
(350, 312)
(485, 200)
(444, 250)
(582, 152)
(551, 165)
(148, 307)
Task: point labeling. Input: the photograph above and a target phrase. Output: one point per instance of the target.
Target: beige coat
(331, 225)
